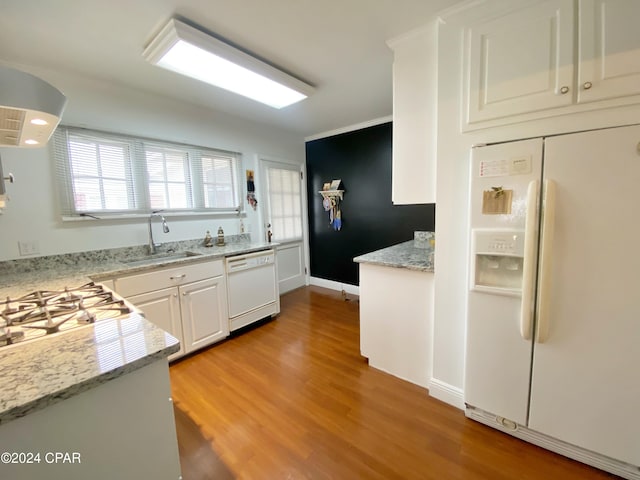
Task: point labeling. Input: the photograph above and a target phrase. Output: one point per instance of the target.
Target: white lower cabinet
(396, 318)
(204, 313)
(162, 307)
(187, 301)
(124, 429)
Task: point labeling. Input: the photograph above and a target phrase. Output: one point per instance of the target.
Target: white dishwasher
(252, 288)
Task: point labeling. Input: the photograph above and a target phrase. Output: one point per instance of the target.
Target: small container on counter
(208, 240)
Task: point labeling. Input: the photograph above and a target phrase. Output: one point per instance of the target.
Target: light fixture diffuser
(30, 109)
(188, 51)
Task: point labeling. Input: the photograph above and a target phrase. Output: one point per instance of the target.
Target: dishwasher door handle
(237, 265)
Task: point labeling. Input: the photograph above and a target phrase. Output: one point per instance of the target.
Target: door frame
(264, 161)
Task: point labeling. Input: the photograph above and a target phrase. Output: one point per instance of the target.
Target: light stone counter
(18, 277)
(36, 374)
(411, 255)
(51, 369)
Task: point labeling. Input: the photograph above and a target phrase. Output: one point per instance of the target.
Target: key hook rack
(332, 196)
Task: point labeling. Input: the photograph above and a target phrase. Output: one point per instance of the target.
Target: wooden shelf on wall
(331, 193)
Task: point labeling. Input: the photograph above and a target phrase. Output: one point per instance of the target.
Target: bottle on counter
(208, 239)
(220, 240)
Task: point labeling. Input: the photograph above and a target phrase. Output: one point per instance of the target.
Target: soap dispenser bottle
(208, 239)
(220, 240)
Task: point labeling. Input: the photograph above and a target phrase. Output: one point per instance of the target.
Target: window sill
(135, 216)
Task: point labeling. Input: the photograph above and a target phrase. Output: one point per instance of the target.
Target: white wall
(452, 192)
(32, 213)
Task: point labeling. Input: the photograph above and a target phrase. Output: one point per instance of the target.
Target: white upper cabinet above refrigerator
(520, 62)
(551, 58)
(609, 49)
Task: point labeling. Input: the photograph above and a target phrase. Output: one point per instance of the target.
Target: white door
(520, 61)
(204, 312)
(498, 358)
(586, 383)
(609, 45)
(284, 215)
(162, 308)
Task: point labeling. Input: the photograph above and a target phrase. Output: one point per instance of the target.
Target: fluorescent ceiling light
(188, 51)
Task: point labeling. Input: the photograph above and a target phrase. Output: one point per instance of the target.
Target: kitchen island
(93, 402)
(396, 310)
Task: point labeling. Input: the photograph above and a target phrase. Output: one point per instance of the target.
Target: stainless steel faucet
(165, 228)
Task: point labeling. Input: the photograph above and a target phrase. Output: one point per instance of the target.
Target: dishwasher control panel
(251, 260)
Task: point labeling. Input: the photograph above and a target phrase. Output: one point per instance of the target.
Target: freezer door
(586, 381)
(498, 358)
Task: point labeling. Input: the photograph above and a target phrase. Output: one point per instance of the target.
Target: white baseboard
(330, 284)
(446, 393)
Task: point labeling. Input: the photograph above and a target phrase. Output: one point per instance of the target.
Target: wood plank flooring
(293, 399)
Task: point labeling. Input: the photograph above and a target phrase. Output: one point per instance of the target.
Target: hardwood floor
(293, 399)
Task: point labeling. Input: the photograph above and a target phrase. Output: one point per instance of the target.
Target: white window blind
(218, 180)
(284, 203)
(168, 178)
(103, 173)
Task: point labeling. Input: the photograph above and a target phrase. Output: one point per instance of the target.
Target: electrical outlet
(29, 247)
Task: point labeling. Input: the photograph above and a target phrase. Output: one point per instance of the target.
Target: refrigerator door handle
(528, 264)
(546, 255)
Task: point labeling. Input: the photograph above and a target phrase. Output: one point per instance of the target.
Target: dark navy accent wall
(362, 160)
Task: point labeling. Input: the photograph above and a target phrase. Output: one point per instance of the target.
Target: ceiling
(336, 45)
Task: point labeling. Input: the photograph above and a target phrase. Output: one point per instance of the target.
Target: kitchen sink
(153, 259)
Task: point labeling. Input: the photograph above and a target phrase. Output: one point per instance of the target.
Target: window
(168, 178)
(102, 173)
(284, 207)
(218, 180)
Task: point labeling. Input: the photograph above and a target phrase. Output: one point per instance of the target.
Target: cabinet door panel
(162, 308)
(609, 49)
(414, 117)
(520, 61)
(204, 312)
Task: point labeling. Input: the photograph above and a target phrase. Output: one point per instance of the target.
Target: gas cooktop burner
(46, 312)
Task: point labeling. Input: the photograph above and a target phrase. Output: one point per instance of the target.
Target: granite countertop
(48, 370)
(412, 255)
(18, 277)
(45, 371)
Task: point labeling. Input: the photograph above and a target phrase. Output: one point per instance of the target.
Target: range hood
(30, 109)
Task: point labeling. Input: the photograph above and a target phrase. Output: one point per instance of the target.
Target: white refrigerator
(553, 317)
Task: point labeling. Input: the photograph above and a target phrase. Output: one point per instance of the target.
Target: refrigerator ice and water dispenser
(497, 261)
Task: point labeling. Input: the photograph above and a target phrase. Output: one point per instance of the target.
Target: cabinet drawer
(167, 277)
